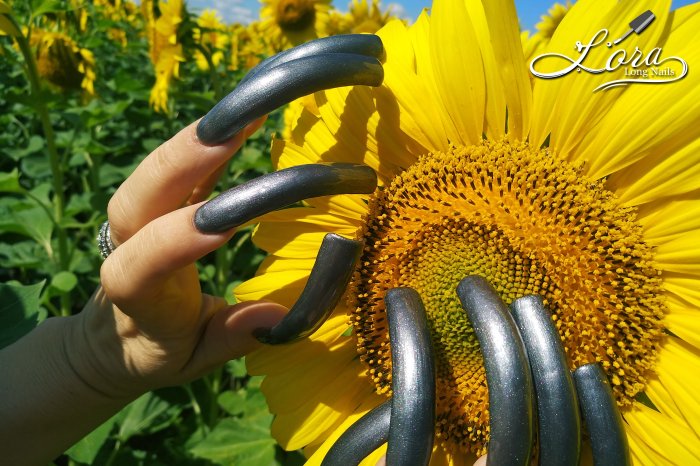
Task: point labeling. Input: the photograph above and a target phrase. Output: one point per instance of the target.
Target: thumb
(229, 334)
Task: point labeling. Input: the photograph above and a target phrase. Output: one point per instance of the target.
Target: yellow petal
(642, 454)
(670, 440)
(458, 69)
(686, 287)
(313, 216)
(273, 360)
(549, 95)
(326, 407)
(643, 121)
(509, 65)
(678, 369)
(683, 321)
(681, 254)
(287, 391)
(299, 241)
(665, 220)
(281, 287)
(352, 206)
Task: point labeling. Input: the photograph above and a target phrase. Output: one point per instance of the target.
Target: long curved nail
(412, 429)
(369, 45)
(600, 413)
(559, 422)
(511, 397)
(280, 85)
(329, 277)
(275, 190)
(361, 438)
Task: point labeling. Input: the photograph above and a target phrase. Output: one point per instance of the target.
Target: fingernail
(369, 45)
(558, 419)
(279, 189)
(511, 396)
(328, 279)
(361, 438)
(601, 416)
(280, 85)
(262, 335)
(412, 425)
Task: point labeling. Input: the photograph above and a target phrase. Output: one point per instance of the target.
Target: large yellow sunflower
(287, 23)
(590, 199)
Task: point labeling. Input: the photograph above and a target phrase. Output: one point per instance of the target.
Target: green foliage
(62, 156)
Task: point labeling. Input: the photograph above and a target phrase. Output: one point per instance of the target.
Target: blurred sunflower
(248, 46)
(118, 11)
(534, 44)
(591, 200)
(165, 51)
(362, 17)
(287, 23)
(62, 62)
(210, 35)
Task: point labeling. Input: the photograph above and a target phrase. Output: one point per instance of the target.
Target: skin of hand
(147, 326)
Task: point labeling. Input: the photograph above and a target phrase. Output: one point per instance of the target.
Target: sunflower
(62, 62)
(533, 44)
(248, 46)
(212, 36)
(165, 51)
(362, 17)
(589, 199)
(287, 23)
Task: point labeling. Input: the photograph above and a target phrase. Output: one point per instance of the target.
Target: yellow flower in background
(533, 45)
(588, 199)
(248, 46)
(212, 36)
(287, 23)
(363, 17)
(165, 51)
(62, 62)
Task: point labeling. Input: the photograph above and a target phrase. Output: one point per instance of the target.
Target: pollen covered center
(530, 224)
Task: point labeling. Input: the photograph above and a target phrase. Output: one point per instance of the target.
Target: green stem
(218, 90)
(54, 159)
(204, 427)
(214, 388)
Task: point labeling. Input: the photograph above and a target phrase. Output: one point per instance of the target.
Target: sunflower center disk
(530, 224)
(295, 15)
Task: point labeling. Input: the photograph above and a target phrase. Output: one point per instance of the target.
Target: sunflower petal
(458, 68)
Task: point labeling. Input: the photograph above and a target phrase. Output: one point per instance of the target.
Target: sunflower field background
(87, 90)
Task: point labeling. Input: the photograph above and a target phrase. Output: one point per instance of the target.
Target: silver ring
(104, 240)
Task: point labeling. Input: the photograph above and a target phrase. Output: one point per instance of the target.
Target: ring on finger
(104, 240)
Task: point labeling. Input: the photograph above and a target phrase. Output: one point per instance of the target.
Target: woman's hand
(149, 325)
(150, 311)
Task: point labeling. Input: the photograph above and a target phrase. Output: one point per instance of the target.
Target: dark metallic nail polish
(280, 85)
(511, 395)
(329, 277)
(412, 429)
(275, 190)
(558, 419)
(360, 44)
(601, 416)
(361, 439)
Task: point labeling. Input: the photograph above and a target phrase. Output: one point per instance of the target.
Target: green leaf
(40, 7)
(236, 367)
(148, 414)
(9, 182)
(64, 281)
(36, 143)
(19, 310)
(239, 441)
(232, 402)
(86, 450)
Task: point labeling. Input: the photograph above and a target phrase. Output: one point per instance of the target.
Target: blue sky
(244, 11)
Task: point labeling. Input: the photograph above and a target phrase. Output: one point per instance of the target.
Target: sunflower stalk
(39, 104)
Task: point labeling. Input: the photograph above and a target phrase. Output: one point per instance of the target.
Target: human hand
(149, 324)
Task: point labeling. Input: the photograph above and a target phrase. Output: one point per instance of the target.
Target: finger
(511, 397)
(229, 334)
(138, 276)
(165, 180)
